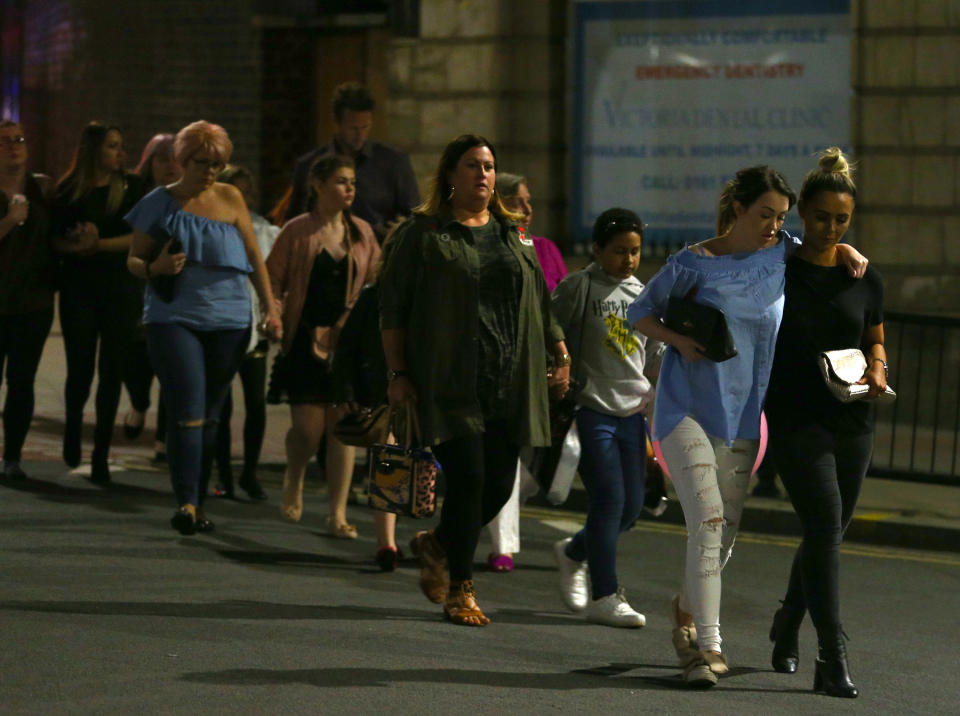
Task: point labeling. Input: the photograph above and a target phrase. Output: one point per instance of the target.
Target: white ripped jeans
(711, 481)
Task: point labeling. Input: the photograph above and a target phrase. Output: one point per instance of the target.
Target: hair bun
(833, 161)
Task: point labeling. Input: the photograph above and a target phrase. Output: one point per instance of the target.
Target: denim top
(211, 291)
(725, 398)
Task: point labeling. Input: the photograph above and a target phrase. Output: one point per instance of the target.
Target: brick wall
(147, 66)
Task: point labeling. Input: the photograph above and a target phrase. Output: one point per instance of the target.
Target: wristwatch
(563, 360)
(886, 371)
(394, 374)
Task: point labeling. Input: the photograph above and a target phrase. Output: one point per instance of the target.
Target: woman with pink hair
(195, 245)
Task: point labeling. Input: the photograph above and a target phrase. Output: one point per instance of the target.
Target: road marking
(572, 521)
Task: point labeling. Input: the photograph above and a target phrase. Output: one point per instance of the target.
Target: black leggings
(92, 314)
(253, 377)
(21, 344)
(479, 471)
(822, 472)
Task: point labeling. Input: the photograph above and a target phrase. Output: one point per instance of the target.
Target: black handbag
(163, 285)
(365, 428)
(705, 324)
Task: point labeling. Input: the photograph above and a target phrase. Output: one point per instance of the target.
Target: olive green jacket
(429, 287)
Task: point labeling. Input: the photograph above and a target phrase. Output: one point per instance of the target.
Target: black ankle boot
(784, 633)
(833, 674)
(72, 433)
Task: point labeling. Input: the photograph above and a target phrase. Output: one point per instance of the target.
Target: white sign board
(671, 97)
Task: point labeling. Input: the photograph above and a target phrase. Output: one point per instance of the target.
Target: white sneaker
(613, 610)
(573, 578)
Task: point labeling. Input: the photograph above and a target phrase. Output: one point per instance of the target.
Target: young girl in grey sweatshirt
(609, 362)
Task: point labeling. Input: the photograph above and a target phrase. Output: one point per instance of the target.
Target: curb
(760, 515)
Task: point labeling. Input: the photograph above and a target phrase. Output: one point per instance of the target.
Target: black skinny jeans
(479, 471)
(95, 311)
(253, 378)
(823, 473)
(22, 337)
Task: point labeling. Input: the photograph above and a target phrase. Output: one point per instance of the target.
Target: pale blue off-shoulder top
(725, 398)
(211, 292)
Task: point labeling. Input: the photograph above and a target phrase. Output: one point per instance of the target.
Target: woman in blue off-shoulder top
(197, 332)
(707, 414)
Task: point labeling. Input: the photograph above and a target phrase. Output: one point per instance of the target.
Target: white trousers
(505, 527)
(711, 481)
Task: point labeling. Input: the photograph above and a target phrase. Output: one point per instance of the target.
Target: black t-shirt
(826, 309)
(27, 260)
(92, 207)
(500, 283)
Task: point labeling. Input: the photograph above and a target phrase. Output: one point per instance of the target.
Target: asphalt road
(104, 609)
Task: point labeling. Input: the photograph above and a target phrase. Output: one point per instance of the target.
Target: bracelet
(563, 360)
(886, 370)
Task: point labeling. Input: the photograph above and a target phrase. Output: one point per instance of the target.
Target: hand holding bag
(403, 478)
(705, 324)
(842, 369)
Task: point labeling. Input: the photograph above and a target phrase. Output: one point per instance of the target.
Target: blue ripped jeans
(195, 369)
(613, 468)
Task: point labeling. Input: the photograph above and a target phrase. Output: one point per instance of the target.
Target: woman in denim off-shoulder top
(707, 414)
(195, 245)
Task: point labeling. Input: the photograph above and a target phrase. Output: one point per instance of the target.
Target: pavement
(106, 610)
(889, 512)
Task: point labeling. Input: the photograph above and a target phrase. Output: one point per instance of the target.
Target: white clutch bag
(842, 369)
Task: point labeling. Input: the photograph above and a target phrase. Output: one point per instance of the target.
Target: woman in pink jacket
(319, 264)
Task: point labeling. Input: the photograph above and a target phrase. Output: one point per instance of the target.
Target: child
(608, 366)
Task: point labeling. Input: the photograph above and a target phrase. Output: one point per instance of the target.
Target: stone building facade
(494, 67)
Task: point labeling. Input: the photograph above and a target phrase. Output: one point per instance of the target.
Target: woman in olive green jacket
(467, 329)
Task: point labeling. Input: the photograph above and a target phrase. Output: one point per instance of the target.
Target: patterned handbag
(403, 478)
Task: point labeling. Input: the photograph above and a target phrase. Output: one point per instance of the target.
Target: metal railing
(918, 435)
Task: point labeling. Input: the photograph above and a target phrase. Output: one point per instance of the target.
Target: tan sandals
(700, 668)
(434, 582)
(291, 500)
(684, 632)
(461, 605)
(341, 530)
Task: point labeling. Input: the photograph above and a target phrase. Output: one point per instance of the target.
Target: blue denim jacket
(725, 398)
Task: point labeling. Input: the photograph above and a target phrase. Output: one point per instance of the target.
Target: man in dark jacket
(386, 186)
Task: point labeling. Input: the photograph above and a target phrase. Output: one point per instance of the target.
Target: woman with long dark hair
(319, 264)
(821, 446)
(99, 299)
(467, 327)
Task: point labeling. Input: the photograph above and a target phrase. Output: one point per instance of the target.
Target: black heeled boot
(785, 633)
(833, 673)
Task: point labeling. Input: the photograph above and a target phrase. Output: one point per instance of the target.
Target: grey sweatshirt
(609, 358)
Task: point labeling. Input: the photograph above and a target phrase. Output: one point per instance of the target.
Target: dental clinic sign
(671, 97)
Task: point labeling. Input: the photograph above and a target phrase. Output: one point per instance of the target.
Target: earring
(450, 195)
